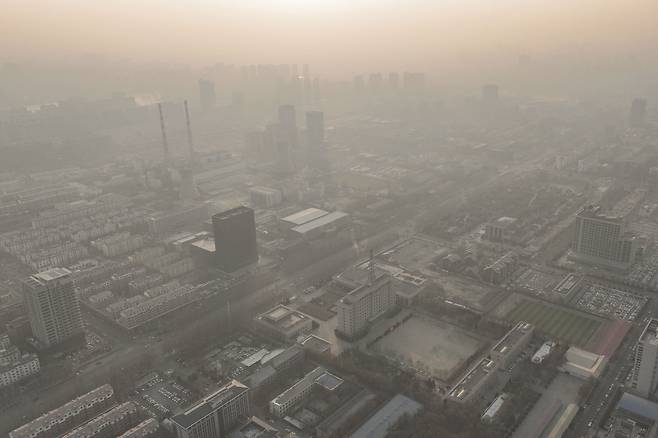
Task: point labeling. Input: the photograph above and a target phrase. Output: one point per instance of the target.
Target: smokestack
(165, 146)
(190, 140)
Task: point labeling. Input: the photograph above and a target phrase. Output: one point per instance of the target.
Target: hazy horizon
(337, 37)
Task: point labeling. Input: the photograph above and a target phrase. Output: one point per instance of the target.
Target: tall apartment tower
(602, 240)
(317, 153)
(235, 239)
(207, 95)
(214, 415)
(53, 307)
(645, 368)
(638, 112)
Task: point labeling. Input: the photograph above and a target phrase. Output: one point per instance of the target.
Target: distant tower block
(207, 95)
(190, 139)
(165, 145)
(638, 112)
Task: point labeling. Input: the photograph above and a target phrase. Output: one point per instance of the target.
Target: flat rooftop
(377, 425)
(320, 222)
(304, 216)
(52, 274)
(512, 337)
(101, 393)
(209, 404)
(206, 244)
(473, 378)
(362, 291)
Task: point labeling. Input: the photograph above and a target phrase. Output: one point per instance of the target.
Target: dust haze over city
(328, 218)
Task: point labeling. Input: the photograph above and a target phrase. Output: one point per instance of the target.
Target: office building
(583, 364)
(318, 379)
(215, 414)
(235, 239)
(68, 416)
(602, 240)
(634, 417)
(207, 95)
(644, 380)
(53, 307)
(512, 344)
(378, 425)
(284, 323)
(288, 124)
(364, 304)
(317, 153)
(477, 384)
(638, 112)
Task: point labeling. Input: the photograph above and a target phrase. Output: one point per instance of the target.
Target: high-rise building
(288, 123)
(638, 112)
(490, 93)
(317, 153)
(602, 240)
(214, 415)
(207, 95)
(53, 307)
(287, 144)
(364, 304)
(644, 379)
(235, 239)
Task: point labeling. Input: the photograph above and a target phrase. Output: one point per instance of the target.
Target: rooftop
(283, 317)
(638, 406)
(320, 222)
(43, 422)
(512, 337)
(209, 404)
(52, 274)
(473, 378)
(377, 426)
(304, 216)
(363, 291)
(145, 428)
(101, 422)
(318, 376)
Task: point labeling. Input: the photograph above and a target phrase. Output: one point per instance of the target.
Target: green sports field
(563, 324)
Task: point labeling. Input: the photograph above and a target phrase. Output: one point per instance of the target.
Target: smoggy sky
(331, 35)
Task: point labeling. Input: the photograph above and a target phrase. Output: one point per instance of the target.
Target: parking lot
(615, 303)
(160, 397)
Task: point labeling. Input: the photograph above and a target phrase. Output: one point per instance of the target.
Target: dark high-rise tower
(638, 112)
(207, 95)
(235, 239)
